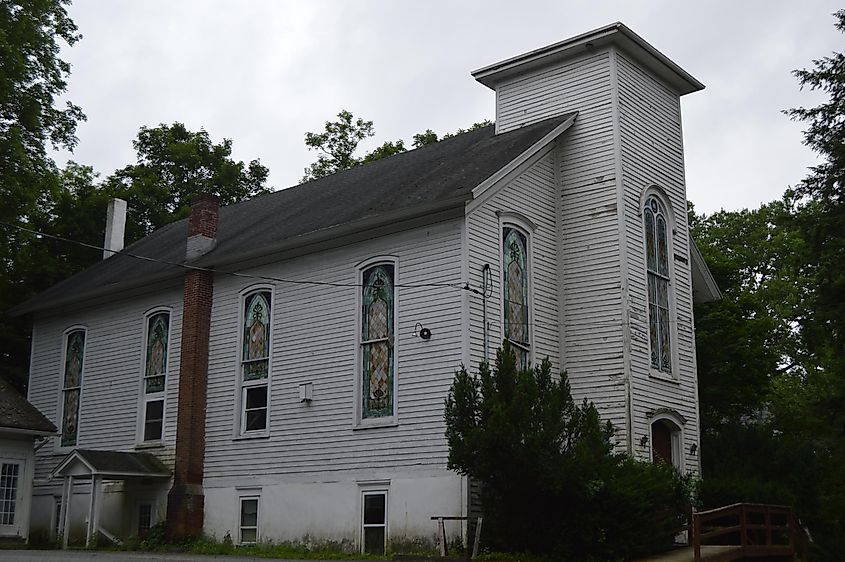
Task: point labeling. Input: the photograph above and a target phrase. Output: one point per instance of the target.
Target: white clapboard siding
(589, 327)
(652, 155)
(112, 373)
(314, 340)
(532, 195)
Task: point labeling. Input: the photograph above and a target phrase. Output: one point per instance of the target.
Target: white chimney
(115, 227)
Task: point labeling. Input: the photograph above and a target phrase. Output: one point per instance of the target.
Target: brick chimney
(186, 502)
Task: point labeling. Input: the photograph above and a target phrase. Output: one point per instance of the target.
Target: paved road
(55, 555)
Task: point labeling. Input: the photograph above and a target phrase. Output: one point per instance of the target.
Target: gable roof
(114, 463)
(414, 184)
(18, 414)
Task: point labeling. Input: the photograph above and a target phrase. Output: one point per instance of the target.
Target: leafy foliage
(32, 76)
(771, 367)
(551, 483)
(175, 164)
(338, 143)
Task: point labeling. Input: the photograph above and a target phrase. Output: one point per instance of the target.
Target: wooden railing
(756, 530)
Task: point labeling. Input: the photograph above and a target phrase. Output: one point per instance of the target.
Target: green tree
(32, 76)
(175, 164)
(821, 219)
(336, 145)
(551, 483)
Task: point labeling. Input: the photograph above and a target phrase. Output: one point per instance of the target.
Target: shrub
(551, 483)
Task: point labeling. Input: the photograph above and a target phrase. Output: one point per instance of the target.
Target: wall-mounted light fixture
(693, 448)
(643, 440)
(422, 332)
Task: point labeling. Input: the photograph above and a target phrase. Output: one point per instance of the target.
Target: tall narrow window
(248, 531)
(657, 263)
(145, 518)
(155, 375)
(72, 386)
(515, 293)
(377, 317)
(9, 473)
(255, 361)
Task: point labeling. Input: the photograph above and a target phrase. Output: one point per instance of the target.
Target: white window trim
(527, 228)
(367, 491)
(241, 387)
(143, 397)
(677, 437)
(246, 496)
(20, 511)
(61, 405)
(359, 421)
(658, 194)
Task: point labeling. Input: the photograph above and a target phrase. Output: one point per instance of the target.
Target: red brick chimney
(186, 502)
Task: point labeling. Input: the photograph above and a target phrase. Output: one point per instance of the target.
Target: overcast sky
(264, 72)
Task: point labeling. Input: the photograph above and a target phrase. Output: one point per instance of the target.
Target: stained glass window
(72, 386)
(256, 336)
(155, 375)
(158, 328)
(657, 264)
(255, 360)
(377, 341)
(515, 293)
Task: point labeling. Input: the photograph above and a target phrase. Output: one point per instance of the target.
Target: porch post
(98, 500)
(66, 509)
(91, 506)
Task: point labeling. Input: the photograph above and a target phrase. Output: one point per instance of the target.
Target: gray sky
(264, 72)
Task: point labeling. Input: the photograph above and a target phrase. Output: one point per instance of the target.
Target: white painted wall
(653, 156)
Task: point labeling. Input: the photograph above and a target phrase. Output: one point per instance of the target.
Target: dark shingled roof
(17, 413)
(118, 462)
(433, 176)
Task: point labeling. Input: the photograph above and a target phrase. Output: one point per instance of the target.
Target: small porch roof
(119, 465)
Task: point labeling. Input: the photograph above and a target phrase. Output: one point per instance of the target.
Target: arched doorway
(666, 442)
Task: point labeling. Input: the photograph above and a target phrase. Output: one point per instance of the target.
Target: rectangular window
(145, 518)
(255, 361)
(374, 523)
(9, 473)
(157, 341)
(248, 532)
(72, 386)
(378, 303)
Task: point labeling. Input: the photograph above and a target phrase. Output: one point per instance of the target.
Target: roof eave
(706, 290)
(617, 34)
(27, 431)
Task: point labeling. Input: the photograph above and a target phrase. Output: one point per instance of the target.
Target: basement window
(248, 531)
(374, 523)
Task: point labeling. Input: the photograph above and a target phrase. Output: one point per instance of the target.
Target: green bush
(551, 483)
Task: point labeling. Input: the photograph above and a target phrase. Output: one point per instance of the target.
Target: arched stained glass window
(256, 336)
(255, 361)
(515, 293)
(657, 263)
(155, 376)
(72, 386)
(377, 314)
(158, 328)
